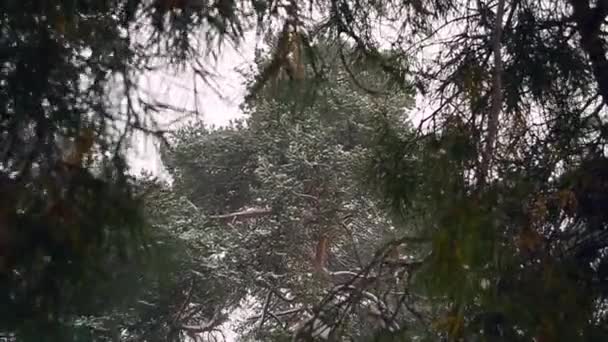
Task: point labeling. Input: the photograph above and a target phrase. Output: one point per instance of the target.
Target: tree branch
(588, 22)
(278, 314)
(496, 95)
(265, 309)
(244, 214)
(217, 320)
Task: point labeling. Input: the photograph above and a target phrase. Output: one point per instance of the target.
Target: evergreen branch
(589, 22)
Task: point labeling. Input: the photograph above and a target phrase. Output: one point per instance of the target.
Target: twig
(278, 314)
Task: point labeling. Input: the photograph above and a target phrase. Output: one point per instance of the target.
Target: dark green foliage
(69, 100)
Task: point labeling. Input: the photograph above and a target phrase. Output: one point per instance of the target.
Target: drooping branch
(496, 106)
(588, 23)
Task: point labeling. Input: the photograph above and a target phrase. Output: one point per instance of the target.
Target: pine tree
(284, 203)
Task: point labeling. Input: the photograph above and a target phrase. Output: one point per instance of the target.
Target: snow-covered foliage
(277, 209)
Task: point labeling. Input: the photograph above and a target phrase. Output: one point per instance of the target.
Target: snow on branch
(244, 214)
